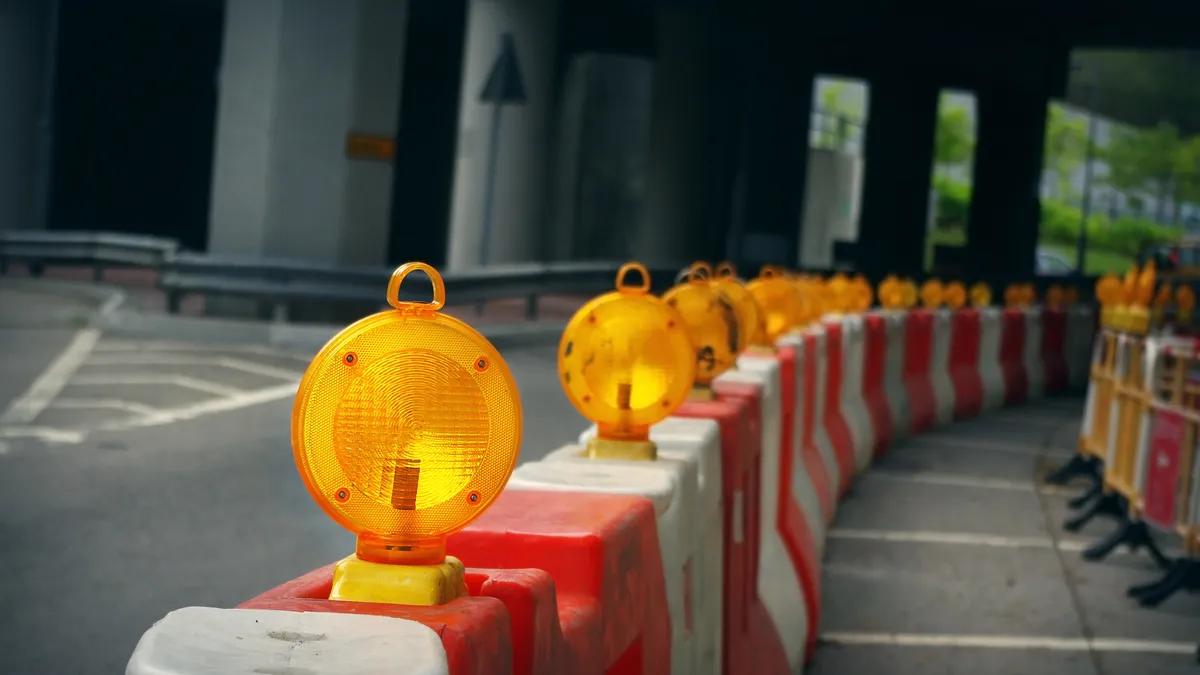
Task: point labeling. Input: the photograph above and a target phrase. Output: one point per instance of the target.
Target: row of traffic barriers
(683, 533)
(1137, 443)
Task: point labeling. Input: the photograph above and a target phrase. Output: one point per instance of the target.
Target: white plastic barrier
(804, 488)
(854, 406)
(1035, 365)
(939, 364)
(672, 483)
(681, 438)
(820, 435)
(893, 374)
(990, 372)
(778, 581)
(198, 640)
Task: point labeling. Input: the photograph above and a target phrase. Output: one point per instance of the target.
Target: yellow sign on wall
(376, 148)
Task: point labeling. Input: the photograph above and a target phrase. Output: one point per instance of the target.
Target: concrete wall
(26, 56)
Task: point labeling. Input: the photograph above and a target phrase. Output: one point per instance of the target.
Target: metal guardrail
(276, 283)
(99, 250)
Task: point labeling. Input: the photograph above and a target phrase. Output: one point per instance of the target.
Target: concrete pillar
(26, 80)
(693, 134)
(297, 76)
(1002, 230)
(898, 167)
(775, 152)
(522, 146)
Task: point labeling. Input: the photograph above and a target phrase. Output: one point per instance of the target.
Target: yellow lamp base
(702, 393)
(1138, 320)
(760, 350)
(356, 580)
(607, 448)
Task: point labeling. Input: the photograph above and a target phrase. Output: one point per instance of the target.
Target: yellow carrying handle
(439, 287)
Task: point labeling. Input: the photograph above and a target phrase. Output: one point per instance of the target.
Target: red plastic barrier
(808, 444)
(835, 423)
(918, 352)
(578, 578)
(1012, 356)
(874, 392)
(751, 641)
(1054, 344)
(966, 329)
(475, 631)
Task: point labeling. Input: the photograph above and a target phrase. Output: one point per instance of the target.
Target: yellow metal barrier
(1126, 409)
(1093, 435)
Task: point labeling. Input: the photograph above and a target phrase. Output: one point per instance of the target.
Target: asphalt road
(106, 524)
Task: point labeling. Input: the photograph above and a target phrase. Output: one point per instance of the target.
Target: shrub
(1060, 222)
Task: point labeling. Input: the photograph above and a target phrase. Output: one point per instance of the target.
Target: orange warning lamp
(713, 324)
(955, 295)
(808, 289)
(1143, 295)
(1054, 297)
(749, 317)
(384, 453)
(1070, 296)
(891, 294)
(1014, 296)
(1185, 304)
(932, 294)
(626, 362)
(838, 293)
(981, 295)
(1120, 312)
(1108, 292)
(861, 295)
(1161, 299)
(909, 294)
(1029, 294)
(778, 300)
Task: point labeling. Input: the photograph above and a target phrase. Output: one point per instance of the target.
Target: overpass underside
(360, 132)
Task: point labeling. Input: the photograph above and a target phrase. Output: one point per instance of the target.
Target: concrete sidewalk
(950, 557)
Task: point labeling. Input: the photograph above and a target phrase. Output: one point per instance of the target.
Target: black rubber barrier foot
(1171, 580)
(1077, 466)
(1108, 504)
(1135, 535)
(1086, 498)
(1185, 575)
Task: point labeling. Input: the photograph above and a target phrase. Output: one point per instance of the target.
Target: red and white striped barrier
(607, 566)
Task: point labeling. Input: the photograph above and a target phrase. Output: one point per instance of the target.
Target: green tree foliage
(1065, 149)
(1158, 161)
(954, 139)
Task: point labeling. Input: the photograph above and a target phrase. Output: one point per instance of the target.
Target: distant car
(1051, 264)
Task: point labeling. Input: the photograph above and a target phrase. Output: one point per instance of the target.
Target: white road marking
(189, 412)
(104, 404)
(952, 480)
(48, 385)
(136, 359)
(123, 347)
(957, 539)
(180, 381)
(44, 434)
(1011, 642)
